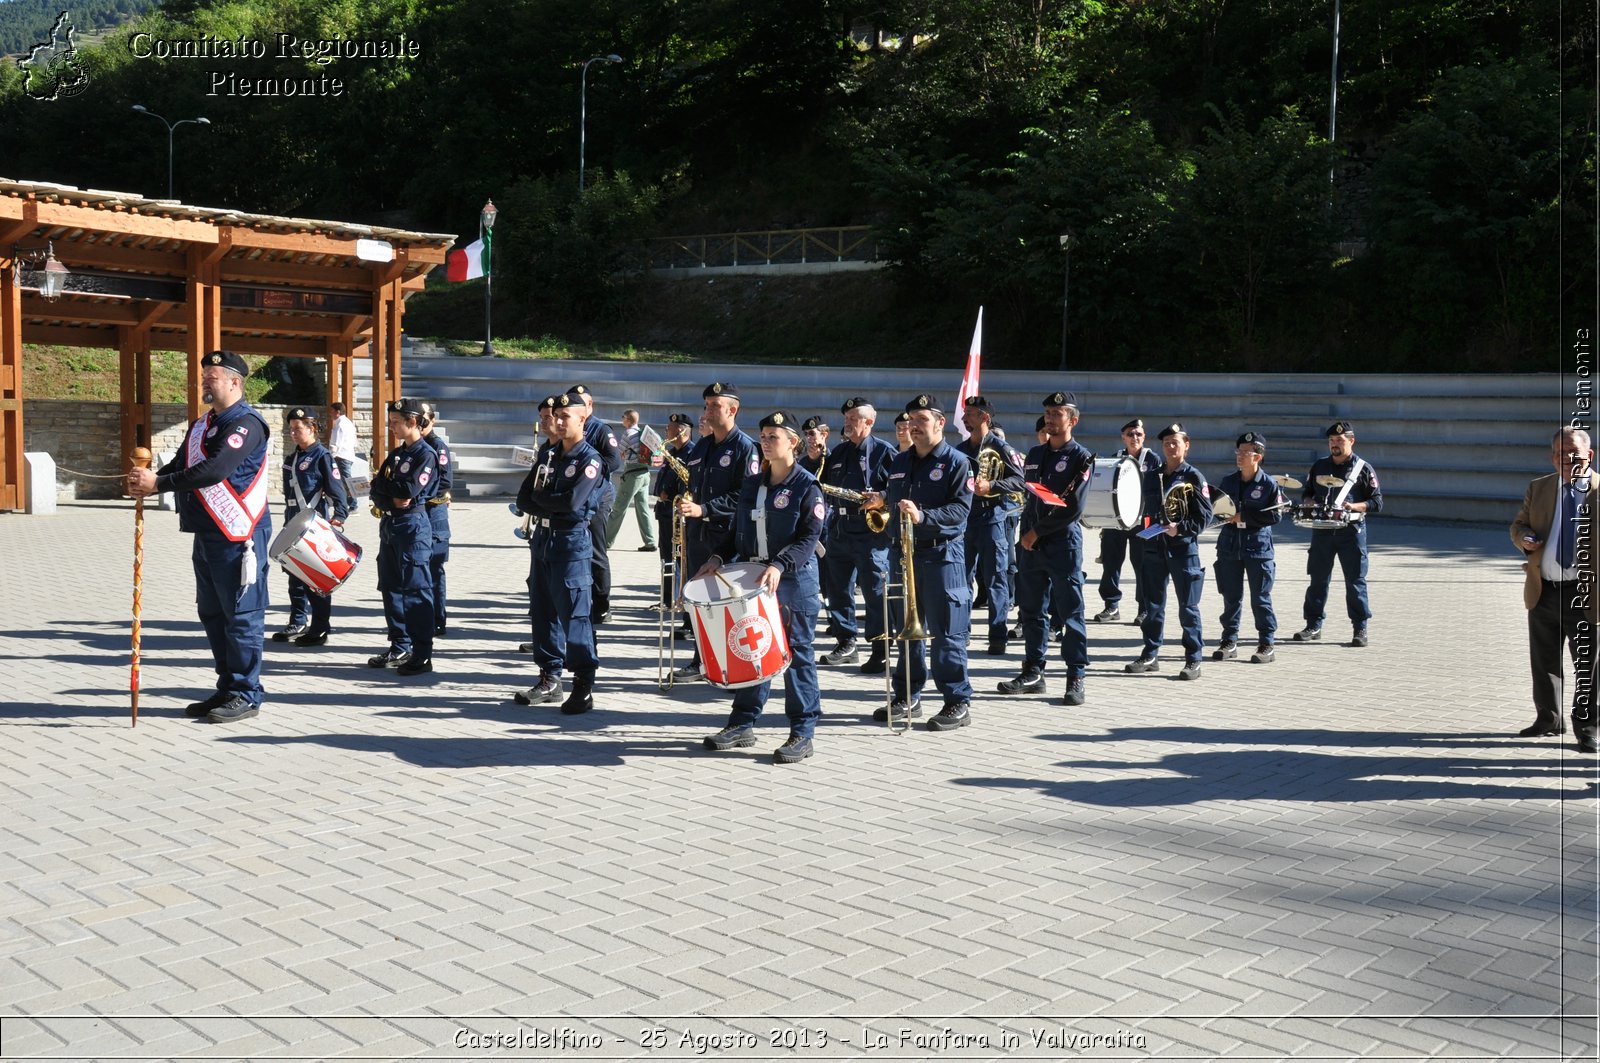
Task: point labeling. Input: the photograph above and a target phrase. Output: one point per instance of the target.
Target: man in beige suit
(1556, 528)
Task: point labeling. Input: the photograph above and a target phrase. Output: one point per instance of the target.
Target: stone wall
(86, 437)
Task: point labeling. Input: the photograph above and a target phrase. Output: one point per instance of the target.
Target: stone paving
(1344, 855)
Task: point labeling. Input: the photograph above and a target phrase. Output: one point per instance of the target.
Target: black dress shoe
(1543, 730)
(312, 638)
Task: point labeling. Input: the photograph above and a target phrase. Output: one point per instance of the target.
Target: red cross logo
(750, 637)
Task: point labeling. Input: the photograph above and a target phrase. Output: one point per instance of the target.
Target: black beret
(811, 424)
(976, 402)
(579, 391)
(722, 390)
(780, 420)
(1341, 428)
(925, 402)
(300, 413)
(227, 360)
(1038, 426)
(681, 418)
(566, 401)
(1137, 422)
(547, 403)
(1061, 398)
(850, 404)
(406, 407)
(1252, 439)
(1173, 429)
(901, 418)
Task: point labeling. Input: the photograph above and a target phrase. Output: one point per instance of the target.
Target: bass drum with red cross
(737, 626)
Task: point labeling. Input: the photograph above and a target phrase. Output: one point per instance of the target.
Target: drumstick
(141, 460)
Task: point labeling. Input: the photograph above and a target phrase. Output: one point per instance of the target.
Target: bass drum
(737, 626)
(1115, 493)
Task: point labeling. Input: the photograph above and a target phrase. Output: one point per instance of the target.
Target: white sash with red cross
(236, 515)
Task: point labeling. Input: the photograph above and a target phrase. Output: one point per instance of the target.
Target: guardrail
(771, 247)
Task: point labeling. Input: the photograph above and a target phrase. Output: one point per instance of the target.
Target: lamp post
(486, 218)
(1066, 292)
(142, 109)
(583, 105)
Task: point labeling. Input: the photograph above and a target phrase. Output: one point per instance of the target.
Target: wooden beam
(277, 346)
(101, 220)
(245, 270)
(109, 256)
(71, 336)
(13, 470)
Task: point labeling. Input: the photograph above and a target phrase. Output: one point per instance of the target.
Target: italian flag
(468, 263)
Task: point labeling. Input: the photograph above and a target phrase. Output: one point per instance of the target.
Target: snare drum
(1115, 494)
(315, 552)
(737, 626)
(1318, 517)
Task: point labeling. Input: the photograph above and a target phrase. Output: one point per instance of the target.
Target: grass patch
(94, 374)
(555, 348)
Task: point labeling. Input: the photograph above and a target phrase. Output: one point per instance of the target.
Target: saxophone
(877, 519)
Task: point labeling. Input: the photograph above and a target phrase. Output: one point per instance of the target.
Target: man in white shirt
(342, 441)
(633, 483)
(1556, 529)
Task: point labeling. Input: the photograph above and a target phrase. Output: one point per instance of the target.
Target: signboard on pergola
(137, 275)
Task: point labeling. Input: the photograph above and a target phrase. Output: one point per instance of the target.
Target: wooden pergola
(153, 275)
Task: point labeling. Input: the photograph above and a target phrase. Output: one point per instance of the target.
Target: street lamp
(142, 109)
(486, 218)
(583, 105)
(1066, 292)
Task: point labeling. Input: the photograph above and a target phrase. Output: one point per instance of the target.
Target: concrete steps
(1449, 446)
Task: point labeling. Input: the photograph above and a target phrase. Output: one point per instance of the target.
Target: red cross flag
(969, 381)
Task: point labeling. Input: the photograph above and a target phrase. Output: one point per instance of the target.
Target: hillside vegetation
(1181, 145)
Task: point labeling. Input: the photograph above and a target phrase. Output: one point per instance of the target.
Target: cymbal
(1288, 482)
(1325, 480)
(1222, 506)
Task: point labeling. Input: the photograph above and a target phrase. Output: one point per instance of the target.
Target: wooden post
(13, 469)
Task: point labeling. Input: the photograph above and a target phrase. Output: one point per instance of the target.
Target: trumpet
(877, 519)
(912, 630)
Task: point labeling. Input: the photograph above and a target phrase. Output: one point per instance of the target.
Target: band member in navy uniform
(1244, 549)
(438, 514)
(996, 509)
(1116, 544)
(406, 480)
(814, 430)
(669, 485)
(544, 443)
(1357, 494)
(778, 524)
(311, 478)
(856, 554)
(599, 435)
(718, 465)
(1174, 553)
(930, 485)
(220, 480)
(1050, 564)
(561, 494)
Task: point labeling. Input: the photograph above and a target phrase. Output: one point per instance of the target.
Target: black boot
(581, 699)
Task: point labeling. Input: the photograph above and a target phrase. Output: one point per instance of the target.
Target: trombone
(673, 568)
(911, 631)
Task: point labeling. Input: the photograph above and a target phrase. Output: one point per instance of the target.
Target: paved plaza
(1347, 854)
